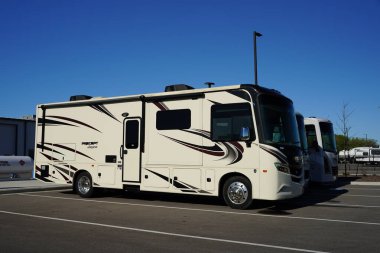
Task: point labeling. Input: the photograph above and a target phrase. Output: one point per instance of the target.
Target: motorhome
(304, 147)
(322, 150)
(239, 142)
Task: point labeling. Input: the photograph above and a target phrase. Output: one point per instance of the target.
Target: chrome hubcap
(84, 185)
(237, 193)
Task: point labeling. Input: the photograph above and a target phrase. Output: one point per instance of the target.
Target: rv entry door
(131, 149)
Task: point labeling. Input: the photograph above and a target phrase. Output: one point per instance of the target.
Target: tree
(344, 125)
(354, 142)
(345, 128)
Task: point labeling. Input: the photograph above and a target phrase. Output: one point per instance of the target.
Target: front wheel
(237, 192)
(83, 185)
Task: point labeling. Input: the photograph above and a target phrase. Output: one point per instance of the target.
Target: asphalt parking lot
(340, 218)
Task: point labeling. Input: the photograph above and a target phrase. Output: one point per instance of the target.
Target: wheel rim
(237, 193)
(84, 184)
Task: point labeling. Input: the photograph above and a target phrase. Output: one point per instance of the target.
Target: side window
(132, 134)
(173, 119)
(311, 135)
(228, 119)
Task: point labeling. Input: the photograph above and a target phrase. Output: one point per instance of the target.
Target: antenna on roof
(209, 84)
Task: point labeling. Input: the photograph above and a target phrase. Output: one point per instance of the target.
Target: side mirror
(245, 134)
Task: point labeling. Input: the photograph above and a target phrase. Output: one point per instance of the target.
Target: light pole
(255, 35)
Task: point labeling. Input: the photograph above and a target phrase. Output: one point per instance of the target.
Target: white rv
(365, 155)
(322, 150)
(239, 142)
(304, 147)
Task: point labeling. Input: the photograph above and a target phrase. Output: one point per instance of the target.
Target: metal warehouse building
(17, 136)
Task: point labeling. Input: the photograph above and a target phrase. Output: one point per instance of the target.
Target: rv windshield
(328, 137)
(278, 121)
(301, 131)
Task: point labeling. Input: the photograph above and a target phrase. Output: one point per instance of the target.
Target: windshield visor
(328, 137)
(279, 124)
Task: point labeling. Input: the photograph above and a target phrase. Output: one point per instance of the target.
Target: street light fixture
(255, 35)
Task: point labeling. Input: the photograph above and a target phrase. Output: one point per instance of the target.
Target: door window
(132, 134)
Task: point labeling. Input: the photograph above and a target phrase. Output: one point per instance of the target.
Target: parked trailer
(322, 149)
(365, 155)
(239, 142)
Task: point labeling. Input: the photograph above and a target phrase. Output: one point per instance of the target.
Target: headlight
(282, 167)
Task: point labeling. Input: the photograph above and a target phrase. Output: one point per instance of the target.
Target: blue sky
(321, 54)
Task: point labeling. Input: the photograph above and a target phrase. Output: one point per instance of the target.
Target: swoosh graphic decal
(175, 182)
(75, 121)
(60, 171)
(161, 106)
(179, 184)
(52, 122)
(234, 150)
(48, 149)
(101, 108)
(211, 150)
(70, 149)
(278, 155)
(38, 176)
(49, 157)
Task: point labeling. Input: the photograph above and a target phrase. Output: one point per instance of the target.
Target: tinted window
(278, 119)
(227, 121)
(173, 119)
(311, 136)
(132, 134)
(328, 136)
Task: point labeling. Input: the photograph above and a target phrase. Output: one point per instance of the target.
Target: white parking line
(16, 193)
(162, 233)
(359, 188)
(367, 196)
(207, 210)
(345, 205)
(337, 194)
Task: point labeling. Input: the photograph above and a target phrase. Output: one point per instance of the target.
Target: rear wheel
(237, 192)
(83, 185)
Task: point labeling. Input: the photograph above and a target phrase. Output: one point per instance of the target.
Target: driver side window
(227, 120)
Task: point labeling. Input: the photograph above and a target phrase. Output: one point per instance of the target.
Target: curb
(33, 189)
(366, 183)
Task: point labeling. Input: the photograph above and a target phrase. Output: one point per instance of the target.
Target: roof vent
(79, 97)
(177, 87)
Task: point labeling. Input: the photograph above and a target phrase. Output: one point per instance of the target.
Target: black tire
(237, 192)
(83, 185)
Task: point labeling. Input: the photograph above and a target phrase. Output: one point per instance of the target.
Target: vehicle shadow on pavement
(154, 197)
(314, 195)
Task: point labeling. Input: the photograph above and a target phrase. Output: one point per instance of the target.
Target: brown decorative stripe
(70, 149)
(75, 121)
(211, 150)
(48, 149)
(161, 106)
(101, 108)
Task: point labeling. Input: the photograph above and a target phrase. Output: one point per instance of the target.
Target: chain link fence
(358, 169)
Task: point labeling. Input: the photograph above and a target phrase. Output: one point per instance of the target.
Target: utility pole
(255, 35)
